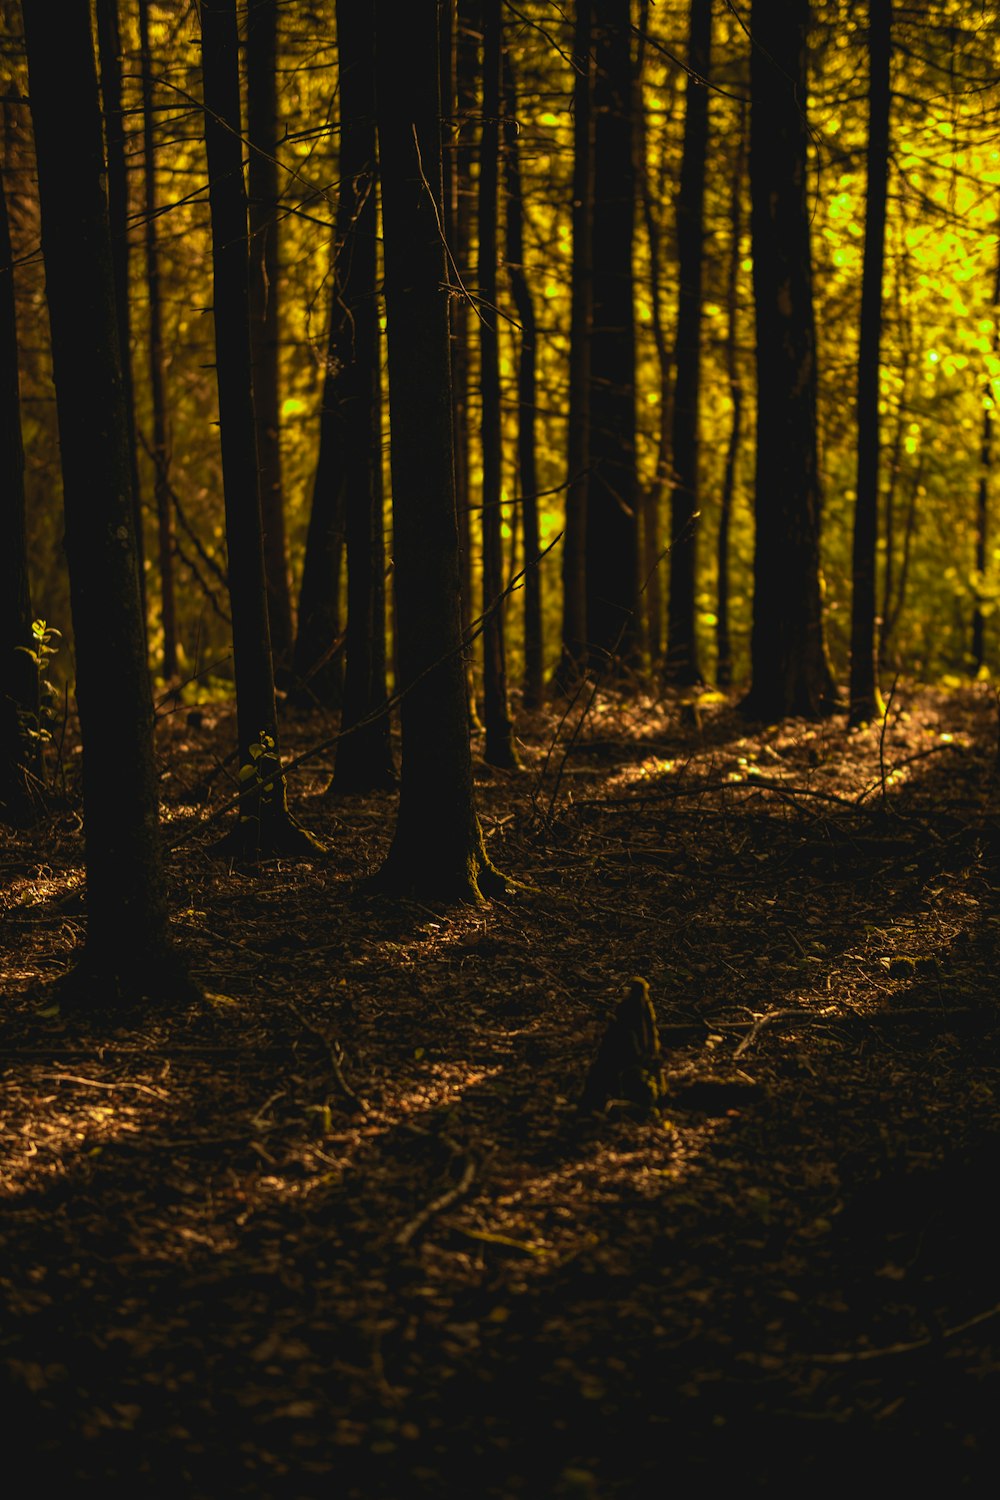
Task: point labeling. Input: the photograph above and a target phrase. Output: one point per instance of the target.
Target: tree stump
(628, 1068)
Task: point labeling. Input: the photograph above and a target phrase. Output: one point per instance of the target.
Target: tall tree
(20, 762)
(612, 492)
(790, 671)
(866, 700)
(574, 549)
(723, 638)
(160, 448)
(437, 850)
(982, 516)
(265, 825)
(499, 744)
(527, 465)
(265, 272)
(682, 640)
(127, 953)
(364, 753)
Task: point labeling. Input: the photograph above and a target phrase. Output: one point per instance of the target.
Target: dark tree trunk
(682, 638)
(723, 640)
(981, 529)
(265, 270)
(612, 496)
(20, 758)
(317, 661)
(110, 53)
(459, 216)
(127, 953)
(527, 467)
(499, 745)
(364, 754)
(157, 368)
(437, 850)
(791, 674)
(264, 823)
(866, 700)
(574, 549)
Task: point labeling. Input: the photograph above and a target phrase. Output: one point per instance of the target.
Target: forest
(499, 746)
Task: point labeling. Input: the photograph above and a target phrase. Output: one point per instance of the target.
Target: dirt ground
(340, 1228)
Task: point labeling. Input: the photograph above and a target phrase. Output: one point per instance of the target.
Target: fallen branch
(439, 1204)
(909, 1346)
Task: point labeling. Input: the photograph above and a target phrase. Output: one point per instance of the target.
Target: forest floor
(340, 1229)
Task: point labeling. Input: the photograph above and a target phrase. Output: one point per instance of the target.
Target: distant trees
(127, 953)
(790, 671)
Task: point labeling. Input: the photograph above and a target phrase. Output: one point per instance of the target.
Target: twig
(909, 1346)
(358, 1104)
(94, 1083)
(439, 1204)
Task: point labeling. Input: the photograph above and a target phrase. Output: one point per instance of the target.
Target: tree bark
(499, 742)
(790, 671)
(723, 638)
(127, 953)
(20, 758)
(574, 549)
(264, 826)
(982, 519)
(527, 466)
(110, 54)
(157, 369)
(265, 271)
(612, 496)
(866, 700)
(364, 754)
(682, 664)
(437, 851)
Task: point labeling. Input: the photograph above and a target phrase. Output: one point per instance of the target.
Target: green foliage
(37, 727)
(259, 778)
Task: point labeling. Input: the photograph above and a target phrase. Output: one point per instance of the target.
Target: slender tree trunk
(612, 498)
(265, 271)
(20, 758)
(574, 549)
(866, 700)
(791, 674)
(110, 53)
(682, 638)
(983, 489)
(437, 850)
(364, 755)
(723, 639)
(527, 467)
(157, 367)
(127, 953)
(264, 824)
(499, 746)
(460, 214)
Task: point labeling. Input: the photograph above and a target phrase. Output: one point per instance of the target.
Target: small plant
(259, 776)
(36, 727)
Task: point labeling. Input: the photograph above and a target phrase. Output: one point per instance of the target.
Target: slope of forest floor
(340, 1228)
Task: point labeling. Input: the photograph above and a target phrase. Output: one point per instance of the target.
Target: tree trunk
(499, 746)
(127, 953)
(459, 215)
(574, 548)
(437, 851)
(317, 661)
(20, 744)
(682, 637)
(110, 53)
(981, 529)
(866, 700)
(157, 368)
(723, 640)
(264, 826)
(527, 467)
(364, 754)
(612, 496)
(265, 270)
(790, 671)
